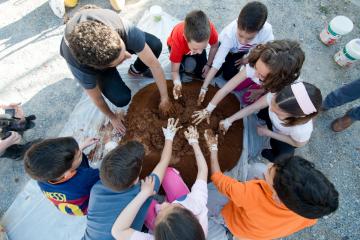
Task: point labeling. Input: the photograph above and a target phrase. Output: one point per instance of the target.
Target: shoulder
(267, 27)
(302, 133)
(98, 188)
(230, 30)
(266, 33)
(178, 30)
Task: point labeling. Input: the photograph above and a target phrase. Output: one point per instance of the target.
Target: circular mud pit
(144, 123)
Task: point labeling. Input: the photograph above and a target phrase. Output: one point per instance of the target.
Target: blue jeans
(342, 95)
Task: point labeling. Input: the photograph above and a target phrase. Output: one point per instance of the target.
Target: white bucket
(349, 54)
(156, 12)
(337, 27)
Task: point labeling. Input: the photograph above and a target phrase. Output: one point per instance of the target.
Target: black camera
(10, 123)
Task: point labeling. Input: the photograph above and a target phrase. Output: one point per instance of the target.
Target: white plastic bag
(158, 23)
(58, 7)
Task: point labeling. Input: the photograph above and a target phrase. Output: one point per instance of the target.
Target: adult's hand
(14, 138)
(166, 107)
(117, 123)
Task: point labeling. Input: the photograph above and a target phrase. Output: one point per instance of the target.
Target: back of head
(50, 158)
(180, 224)
(284, 58)
(93, 43)
(252, 17)
(304, 189)
(197, 26)
(121, 167)
(287, 102)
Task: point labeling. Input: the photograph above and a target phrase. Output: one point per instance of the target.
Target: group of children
(289, 195)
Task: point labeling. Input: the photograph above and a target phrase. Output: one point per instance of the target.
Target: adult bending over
(95, 42)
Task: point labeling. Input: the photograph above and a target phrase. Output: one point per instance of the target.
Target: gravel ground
(31, 71)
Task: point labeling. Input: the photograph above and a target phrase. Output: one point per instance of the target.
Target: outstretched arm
(264, 131)
(149, 59)
(192, 136)
(122, 226)
(229, 86)
(221, 94)
(14, 138)
(169, 133)
(97, 98)
(212, 143)
(225, 124)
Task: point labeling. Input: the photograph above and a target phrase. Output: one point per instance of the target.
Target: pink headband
(302, 98)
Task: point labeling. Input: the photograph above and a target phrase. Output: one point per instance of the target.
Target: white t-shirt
(299, 133)
(250, 73)
(230, 43)
(195, 201)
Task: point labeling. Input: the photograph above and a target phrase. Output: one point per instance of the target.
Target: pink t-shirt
(195, 201)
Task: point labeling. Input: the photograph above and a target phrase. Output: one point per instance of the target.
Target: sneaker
(135, 73)
(342, 123)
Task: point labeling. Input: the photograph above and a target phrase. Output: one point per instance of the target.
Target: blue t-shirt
(72, 197)
(105, 205)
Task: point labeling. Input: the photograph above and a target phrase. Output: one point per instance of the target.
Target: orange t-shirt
(252, 213)
(178, 44)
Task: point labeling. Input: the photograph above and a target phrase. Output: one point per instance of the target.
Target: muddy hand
(177, 89)
(202, 95)
(166, 107)
(224, 126)
(171, 129)
(200, 116)
(117, 123)
(192, 135)
(211, 140)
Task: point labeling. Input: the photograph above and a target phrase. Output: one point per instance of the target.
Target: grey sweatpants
(342, 95)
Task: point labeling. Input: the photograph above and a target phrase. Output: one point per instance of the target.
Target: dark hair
(179, 224)
(50, 158)
(284, 58)
(287, 102)
(252, 17)
(304, 189)
(197, 26)
(94, 43)
(122, 165)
